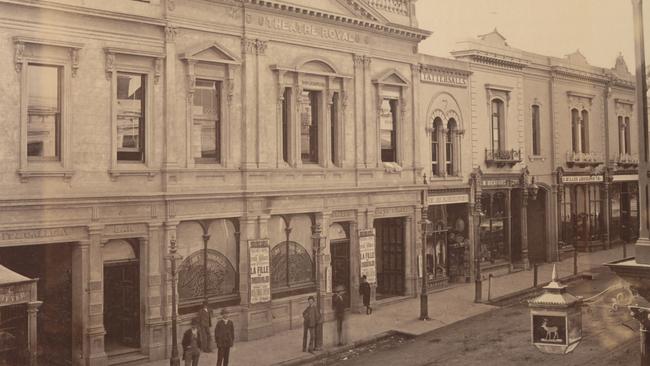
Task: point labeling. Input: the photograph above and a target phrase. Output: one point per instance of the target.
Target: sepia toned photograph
(324, 182)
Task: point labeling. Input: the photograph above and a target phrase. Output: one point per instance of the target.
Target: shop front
(448, 247)
(624, 212)
(583, 212)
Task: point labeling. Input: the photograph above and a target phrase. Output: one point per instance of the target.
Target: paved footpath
(445, 307)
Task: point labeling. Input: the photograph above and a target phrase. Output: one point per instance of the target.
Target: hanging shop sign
(448, 199)
(259, 271)
(582, 179)
(626, 177)
(367, 254)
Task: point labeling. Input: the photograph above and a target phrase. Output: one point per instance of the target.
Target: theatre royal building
(283, 147)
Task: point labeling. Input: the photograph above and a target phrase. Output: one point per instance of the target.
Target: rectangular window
(130, 116)
(44, 112)
(449, 153)
(206, 111)
(309, 123)
(388, 127)
(334, 117)
(286, 121)
(535, 128)
(434, 151)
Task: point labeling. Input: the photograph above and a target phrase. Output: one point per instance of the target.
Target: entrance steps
(126, 357)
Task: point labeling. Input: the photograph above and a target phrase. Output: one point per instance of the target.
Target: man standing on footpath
(364, 291)
(224, 335)
(205, 323)
(192, 345)
(311, 317)
(339, 312)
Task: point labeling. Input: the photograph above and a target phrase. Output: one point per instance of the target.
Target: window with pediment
(210, 79)
(310, 115)
(46, 69)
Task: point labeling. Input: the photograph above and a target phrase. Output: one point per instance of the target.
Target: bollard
(534, 274)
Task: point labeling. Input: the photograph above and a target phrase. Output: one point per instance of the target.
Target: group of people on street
(313, 319)
(198, 339)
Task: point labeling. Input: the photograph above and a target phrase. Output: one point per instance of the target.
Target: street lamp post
(174, 360)
(424, 297)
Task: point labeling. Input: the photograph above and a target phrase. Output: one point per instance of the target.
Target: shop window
(435, 146)
(309, 126)
(292, 270)
(130, 116)
(536, 130)
(493, 228)
(220, 277)
(388, 129)
(286, 123)
(207, 120)
(497, 125)
(44, 112)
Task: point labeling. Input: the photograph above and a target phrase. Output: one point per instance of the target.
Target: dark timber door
(390, 257)
(340, 251)
(122, 304)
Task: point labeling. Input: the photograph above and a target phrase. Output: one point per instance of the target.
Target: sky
(600, 29)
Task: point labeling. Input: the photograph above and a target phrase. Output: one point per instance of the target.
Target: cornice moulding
(48, 42)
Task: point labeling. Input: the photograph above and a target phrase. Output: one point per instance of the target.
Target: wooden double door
(340, 251)
(122, 304)
(390, 255)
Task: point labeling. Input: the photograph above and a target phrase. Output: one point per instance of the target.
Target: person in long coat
(224, 335)
(311, 317)
(192, 344)
(364, 291)
(205, 323)
(338, 304)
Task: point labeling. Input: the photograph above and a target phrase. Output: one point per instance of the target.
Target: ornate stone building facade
(283, 148)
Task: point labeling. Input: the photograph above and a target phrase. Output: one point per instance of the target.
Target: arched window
(584, 132)
(450, 147)
(536, 130)
(496, 127)
(575, 130)
(435, 146)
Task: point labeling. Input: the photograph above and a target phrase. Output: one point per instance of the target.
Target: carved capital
(357, 60)
(170, 33)
(110, 65)
(260, 47)
(74, 61)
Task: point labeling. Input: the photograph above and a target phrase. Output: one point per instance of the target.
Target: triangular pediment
(212, 53)
(392, 77)
(494, 38)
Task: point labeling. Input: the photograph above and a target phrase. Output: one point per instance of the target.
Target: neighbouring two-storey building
(284, 147)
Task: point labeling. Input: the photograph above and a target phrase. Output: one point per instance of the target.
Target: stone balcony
(627, 160)
(501, 158)
(583, 159)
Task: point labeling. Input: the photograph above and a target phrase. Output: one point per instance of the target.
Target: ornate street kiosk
(18, 309)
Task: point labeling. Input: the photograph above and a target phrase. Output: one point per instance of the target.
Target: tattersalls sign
(428, 75)
(259, 267)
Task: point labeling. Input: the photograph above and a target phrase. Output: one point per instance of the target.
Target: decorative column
(476, 211)
(172, 122)
(524, 220)
(95, 326)
(32, 344)
(153, 263)
(607, 182)
(410, 270)
(355, 266)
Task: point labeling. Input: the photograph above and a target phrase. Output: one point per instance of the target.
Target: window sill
(536, 158)
(25, 174)
(135, 171)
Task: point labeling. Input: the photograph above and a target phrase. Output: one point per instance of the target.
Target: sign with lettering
(582, 178)
(15, 294)
(259, 271)
(448, 199)
(367, 254)
(626, 177)
(302, 28)
(445, 78)
(499, 182)
(43, 235)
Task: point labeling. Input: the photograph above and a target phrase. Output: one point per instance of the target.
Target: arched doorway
(121, 295)
(340, 253)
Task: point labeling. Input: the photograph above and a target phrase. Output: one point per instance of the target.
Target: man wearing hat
(339, 312)
(192, 344)
(224, 335)
(205, 322)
